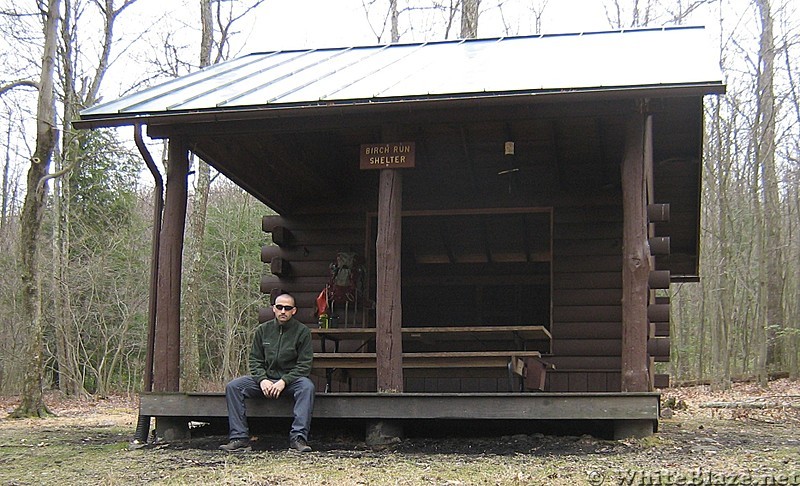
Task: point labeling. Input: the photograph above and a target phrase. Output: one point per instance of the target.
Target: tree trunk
(32, 398)
(794, 336)
(197, 227)
(5, 210)
(395, 14)
(470, 10)
(70, 376)
(765, 151)
(771, 281)
(190, 366)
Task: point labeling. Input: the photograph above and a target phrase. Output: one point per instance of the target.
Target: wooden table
(513, 360)
(519, 334)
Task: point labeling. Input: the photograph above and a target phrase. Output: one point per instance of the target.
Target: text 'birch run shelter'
(508, 207)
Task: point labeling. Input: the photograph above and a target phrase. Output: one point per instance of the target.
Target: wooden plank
(608, 246)
(484, 406)
(450, 359)
(294, 284)
(572, 297)
(598, 213)
(587, 347)
(583, 330)
(610, 263)
(587, 280)
(476, 279)
(591, 231)
(566, 363)
(599, 313)
(526, 333)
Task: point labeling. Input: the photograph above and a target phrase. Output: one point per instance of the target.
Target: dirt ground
(87, 442)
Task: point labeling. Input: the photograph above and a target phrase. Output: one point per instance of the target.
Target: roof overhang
(365, 106)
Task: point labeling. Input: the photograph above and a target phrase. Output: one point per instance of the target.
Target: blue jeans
(301, 390)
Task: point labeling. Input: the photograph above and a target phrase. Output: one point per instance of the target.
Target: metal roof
(565, 63)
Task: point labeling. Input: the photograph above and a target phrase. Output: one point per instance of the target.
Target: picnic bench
(525, 368)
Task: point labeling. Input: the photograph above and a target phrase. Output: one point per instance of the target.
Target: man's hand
(272, 389)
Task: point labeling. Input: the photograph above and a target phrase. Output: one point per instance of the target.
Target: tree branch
(18, 84)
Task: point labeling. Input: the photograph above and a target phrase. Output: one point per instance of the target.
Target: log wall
(574, 287)
(587, 289)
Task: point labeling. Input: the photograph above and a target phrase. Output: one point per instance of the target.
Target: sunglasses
(284, 307)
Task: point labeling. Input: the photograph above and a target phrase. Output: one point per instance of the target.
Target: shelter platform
(629, 414)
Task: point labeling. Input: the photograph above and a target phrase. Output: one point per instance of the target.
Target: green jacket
(281, 351)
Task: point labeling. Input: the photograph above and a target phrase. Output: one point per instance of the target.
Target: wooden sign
(394, 155)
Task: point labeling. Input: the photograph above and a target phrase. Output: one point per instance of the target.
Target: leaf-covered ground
(88, 443)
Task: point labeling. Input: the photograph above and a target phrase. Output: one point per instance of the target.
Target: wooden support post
(636, 260)
(633, 429)
(388, 337)
(166, 375)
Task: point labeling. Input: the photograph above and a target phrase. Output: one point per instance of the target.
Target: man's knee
(305, 385)
(236, 386)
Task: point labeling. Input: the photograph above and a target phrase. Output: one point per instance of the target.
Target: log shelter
(511, 206)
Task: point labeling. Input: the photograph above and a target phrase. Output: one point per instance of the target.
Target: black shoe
(236, 445)
(299, 444)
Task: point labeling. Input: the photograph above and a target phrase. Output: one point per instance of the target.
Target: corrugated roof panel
(603, 60)
(158, 95)
(462, 68)
(312, 79)
(233, 83)
(397, 64)
(355, 78)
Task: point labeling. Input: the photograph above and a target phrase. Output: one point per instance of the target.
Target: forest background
(77, 206)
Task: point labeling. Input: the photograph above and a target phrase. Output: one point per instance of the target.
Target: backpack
(346, 278)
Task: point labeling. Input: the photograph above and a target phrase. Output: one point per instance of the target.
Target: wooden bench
(515, 362)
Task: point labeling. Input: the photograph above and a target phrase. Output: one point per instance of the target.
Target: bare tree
(771, 275)
(470, 11)
(642, 13)
(215, 36)
(32, 404)
(79, 90)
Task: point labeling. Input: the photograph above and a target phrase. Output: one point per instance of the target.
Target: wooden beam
(636, 258)
(389, 318)
(166, 372)
(440, 406)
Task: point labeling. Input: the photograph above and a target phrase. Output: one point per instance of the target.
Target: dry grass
(87, 443)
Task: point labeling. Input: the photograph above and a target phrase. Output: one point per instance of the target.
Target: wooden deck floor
(618, 409)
